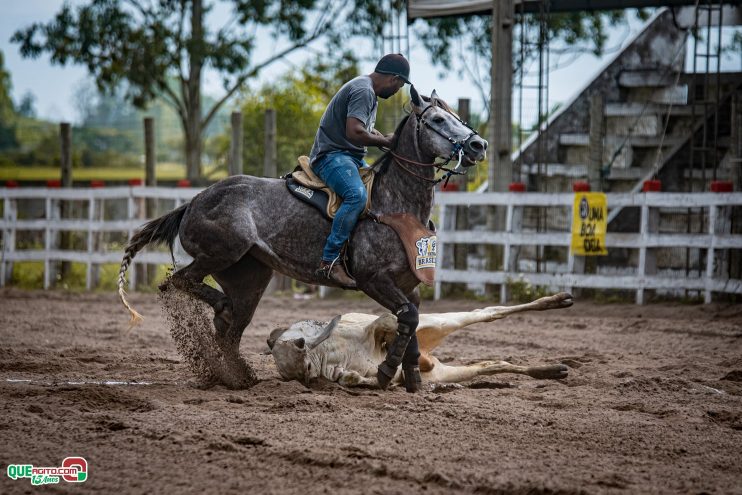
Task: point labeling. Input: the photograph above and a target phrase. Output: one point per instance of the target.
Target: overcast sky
(54, 86)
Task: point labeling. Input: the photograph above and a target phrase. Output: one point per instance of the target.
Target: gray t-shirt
(355, 99)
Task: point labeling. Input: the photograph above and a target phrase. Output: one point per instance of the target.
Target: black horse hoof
(412, 379)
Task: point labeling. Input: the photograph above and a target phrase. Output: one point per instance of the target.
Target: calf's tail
(163, 229)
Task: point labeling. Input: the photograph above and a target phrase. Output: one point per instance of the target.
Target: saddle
(420, 243)
(307, 186)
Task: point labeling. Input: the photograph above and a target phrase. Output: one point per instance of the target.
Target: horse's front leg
(382, 289)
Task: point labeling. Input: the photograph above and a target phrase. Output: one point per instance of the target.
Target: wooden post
(589, 264)
(735, 144)
(648, 224)
(235, 150)
(65, 210)
(270, 169)
(10, 215)
(148, 207)
(270, 162)
(457, 218)
(500, 130)
(65, 135)
(734, 266)
(150, 157)
(462, 212)
(595, 152)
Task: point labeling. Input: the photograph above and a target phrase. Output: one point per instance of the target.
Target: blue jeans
(339, 170)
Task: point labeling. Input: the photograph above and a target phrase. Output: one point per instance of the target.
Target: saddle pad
(420, 244)
(306, 177)
(315, 197)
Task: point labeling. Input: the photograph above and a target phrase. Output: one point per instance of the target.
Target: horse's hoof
(549, 372)
(412, 379)
(384, 375)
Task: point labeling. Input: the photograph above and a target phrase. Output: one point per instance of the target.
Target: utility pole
(500, 131)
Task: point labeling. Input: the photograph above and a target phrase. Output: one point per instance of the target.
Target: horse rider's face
(394, 84)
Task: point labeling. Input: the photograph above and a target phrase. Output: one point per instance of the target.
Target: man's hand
(358, 135)
(388, 137)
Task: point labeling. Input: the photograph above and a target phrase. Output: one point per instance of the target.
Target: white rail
(52, 224)
(645, 241)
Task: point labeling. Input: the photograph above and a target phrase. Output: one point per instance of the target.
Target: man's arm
(358, 135)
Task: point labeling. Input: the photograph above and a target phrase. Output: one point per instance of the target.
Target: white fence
(52, 224)
(717, 207)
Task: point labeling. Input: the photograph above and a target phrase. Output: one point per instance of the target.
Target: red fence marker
(517, 187)
(450, 187)
(97, 183)
(580, 186)
(54, 183)
(722, 186)
(183, 183)
(11, 184)
(652, 186)
(135, 182)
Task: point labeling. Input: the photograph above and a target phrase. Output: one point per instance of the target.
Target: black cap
(396, 65)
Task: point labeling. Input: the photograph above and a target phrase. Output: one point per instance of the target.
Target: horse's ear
(434, 96)
(415, 97)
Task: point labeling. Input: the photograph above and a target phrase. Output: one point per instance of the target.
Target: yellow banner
(589, 223)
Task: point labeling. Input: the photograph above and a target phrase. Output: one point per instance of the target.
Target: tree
(299, 97)
(26, 107)
(7, 112)
(148, 44)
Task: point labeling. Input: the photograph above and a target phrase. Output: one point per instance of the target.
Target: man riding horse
(346, 128)
(242, 229)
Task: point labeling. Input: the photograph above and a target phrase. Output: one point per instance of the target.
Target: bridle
(457, 149)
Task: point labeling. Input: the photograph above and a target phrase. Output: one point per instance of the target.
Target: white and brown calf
(350, 348)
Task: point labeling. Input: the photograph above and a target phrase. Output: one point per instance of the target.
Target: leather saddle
(308, 187)
(420, 243)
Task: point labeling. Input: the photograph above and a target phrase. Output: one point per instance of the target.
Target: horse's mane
(382, 164)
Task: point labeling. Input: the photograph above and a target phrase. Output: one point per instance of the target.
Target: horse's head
(442, 133)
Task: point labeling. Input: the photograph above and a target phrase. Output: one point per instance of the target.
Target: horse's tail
(163, 229)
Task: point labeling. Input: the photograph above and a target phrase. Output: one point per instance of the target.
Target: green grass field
(165, 171)
(30, 275)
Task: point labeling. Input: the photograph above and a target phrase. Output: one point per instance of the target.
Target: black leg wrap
(412, 380)
(407, 320)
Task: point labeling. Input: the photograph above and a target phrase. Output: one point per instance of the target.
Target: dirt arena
(653, 404)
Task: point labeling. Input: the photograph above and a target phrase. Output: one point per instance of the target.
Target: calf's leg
(435, 327)
(443, 373)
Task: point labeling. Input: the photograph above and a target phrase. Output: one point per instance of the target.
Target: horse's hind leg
(190, 280)
(244, 284)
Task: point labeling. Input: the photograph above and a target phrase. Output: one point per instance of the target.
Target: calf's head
(290, 347)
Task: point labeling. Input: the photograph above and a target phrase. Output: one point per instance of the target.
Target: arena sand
(653, 404)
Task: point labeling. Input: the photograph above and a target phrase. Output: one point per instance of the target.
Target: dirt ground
(653, 404)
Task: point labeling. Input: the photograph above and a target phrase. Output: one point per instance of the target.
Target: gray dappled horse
(242, 228)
